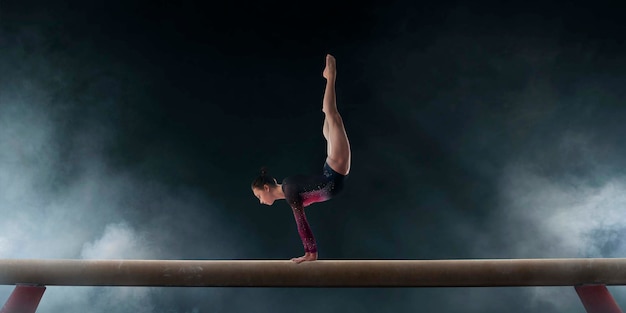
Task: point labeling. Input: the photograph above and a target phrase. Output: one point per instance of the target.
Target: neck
(278, 193)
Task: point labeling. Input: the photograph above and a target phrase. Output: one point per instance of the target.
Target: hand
(307, 257)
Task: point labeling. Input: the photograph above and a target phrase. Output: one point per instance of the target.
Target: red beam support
(23, 299)
(597, 299)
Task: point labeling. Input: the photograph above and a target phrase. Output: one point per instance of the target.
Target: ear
(266, 187)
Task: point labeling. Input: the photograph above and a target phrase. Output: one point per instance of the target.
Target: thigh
(340, 155)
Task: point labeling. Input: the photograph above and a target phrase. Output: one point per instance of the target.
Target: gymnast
(301, 191)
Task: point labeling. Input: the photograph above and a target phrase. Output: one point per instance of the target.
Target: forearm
(305, 232)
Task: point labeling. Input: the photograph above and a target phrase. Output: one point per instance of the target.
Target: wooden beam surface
(322, 273)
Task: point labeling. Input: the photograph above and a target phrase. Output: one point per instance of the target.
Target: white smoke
(60, 199)
(568, 213)
(565, 219)
(119, 241)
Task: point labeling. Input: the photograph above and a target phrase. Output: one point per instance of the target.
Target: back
(304, 190)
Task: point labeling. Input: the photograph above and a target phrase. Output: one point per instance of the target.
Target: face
(264, 195)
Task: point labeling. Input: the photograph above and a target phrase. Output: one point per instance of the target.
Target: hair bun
(263, 171)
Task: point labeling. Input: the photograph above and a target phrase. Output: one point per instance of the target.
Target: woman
(301, 191)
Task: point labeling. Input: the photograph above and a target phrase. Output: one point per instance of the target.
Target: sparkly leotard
(301, 191)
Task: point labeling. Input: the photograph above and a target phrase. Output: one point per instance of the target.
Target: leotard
(303, 190)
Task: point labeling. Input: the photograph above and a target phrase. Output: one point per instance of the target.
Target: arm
(308, 241)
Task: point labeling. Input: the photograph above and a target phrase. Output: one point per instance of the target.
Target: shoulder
(287, 180)
(291, 190)
(287, 185)
(292, 182)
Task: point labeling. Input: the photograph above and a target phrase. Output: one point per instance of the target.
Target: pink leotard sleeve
(308, 241)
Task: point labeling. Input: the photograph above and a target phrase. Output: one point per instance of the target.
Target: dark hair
(264, 179)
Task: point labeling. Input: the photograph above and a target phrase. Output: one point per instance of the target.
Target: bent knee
(334, 119)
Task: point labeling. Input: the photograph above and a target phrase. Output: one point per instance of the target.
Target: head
(262, 187)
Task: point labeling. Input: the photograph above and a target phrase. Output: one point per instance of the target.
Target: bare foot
(330, 71)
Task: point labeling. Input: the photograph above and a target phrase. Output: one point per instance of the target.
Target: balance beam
(323, 273)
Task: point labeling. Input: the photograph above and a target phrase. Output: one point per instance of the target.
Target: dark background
(132, 129)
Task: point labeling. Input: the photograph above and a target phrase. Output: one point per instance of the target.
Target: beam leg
(23, 299)
(597, 299)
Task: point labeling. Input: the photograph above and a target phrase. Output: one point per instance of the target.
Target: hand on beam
(308, 256)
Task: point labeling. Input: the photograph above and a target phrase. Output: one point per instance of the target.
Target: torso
(304, 190)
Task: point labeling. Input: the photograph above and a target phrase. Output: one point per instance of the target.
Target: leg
(339, 155)
(325, 132)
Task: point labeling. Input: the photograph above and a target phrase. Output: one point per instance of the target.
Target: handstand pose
(301, 191)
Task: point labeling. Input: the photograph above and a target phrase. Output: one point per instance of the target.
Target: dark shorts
(335, 179)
